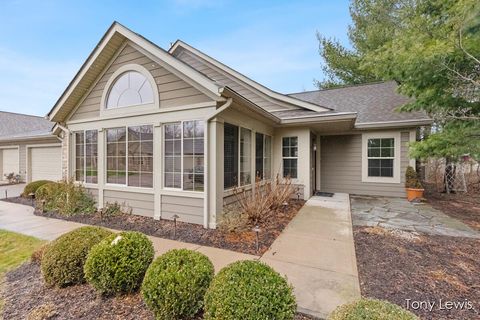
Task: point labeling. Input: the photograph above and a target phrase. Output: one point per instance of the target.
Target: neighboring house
(172, 132)
(28, 148)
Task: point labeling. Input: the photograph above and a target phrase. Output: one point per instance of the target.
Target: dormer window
(131, 88)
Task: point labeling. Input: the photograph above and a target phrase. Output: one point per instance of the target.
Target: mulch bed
(25, 292)
(237, 241)
(428, 268)
(462, 206)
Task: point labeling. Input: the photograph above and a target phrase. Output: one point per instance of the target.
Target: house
(28, 148)
(172, 132)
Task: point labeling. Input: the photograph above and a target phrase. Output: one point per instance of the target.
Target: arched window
(131, 88)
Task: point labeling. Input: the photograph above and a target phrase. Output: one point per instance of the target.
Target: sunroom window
(130, 156)
(86, 156)
(184, 155)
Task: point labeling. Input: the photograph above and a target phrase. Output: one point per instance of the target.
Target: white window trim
(181, 157)
(135, 109)
(396, 161)
(283, 158)
(125, 185)
(84, 157)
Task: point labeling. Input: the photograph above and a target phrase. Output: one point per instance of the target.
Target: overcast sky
(44, 43)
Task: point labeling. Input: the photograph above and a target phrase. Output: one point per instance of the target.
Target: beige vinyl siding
(173, 91)
(341, 167)
(140, 203)
(188, 209)
(94, 193)
(221, 77)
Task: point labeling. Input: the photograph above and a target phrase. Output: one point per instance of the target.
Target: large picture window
(230, 156)
(140, 156)
(130, 156)
(86, 156)
(184, 155)
(245, 156)
(380, 155)
(263, 156)
(290, 157)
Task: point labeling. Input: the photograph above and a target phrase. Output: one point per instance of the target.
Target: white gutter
(397, 123)
(206, 206)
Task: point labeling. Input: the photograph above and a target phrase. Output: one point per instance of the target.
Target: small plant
(260, 204)
(118, 263)
(371, 309)
(249, 290)
(114, 209)
(63, 259)
(65, 197)
(411, 179)
(12, 177)
(176, 282)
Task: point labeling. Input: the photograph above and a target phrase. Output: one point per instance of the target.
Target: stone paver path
(317, 254)
(20, 218)
(398, 213)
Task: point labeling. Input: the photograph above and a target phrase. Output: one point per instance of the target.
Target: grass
(14, 250)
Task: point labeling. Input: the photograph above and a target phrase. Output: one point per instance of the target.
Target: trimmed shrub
(176, 282)
(66, 197)
(33, 186)
(118, 263)
(63, 259)
(411, 179)
(249, 290)
(371, 309)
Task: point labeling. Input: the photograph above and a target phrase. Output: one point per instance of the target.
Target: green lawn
(14, 250)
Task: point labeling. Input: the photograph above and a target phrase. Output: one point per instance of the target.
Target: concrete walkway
(398, 213)
(13, 190)
(20, 218)
(317, 254)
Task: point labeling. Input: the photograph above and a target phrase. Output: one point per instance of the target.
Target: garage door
(46, 163)
(10, 161)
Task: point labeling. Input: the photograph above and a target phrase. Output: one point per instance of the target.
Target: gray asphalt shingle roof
(16, 125)
(373, 102)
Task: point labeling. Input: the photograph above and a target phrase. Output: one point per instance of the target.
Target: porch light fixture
(285, 206)
(175, 217)
(257, 231)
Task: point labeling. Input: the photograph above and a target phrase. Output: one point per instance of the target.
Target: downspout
(206, 206)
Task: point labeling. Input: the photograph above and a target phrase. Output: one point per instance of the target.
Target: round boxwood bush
(33, 186)
(176, 282)
(371, 309)
(63, 259)
(118, 263)
(249, 290)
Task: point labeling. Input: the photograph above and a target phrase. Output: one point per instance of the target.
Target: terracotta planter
(413, 194)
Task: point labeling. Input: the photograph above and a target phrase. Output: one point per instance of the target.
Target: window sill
(125, 188)
(392, 180)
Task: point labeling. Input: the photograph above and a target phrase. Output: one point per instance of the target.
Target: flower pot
(413, 194)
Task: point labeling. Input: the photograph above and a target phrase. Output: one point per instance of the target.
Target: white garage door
(46, 163)
(10, 161)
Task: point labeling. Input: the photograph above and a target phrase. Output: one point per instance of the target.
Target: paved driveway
(317, 254)
(398, 213)
(13, 190)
